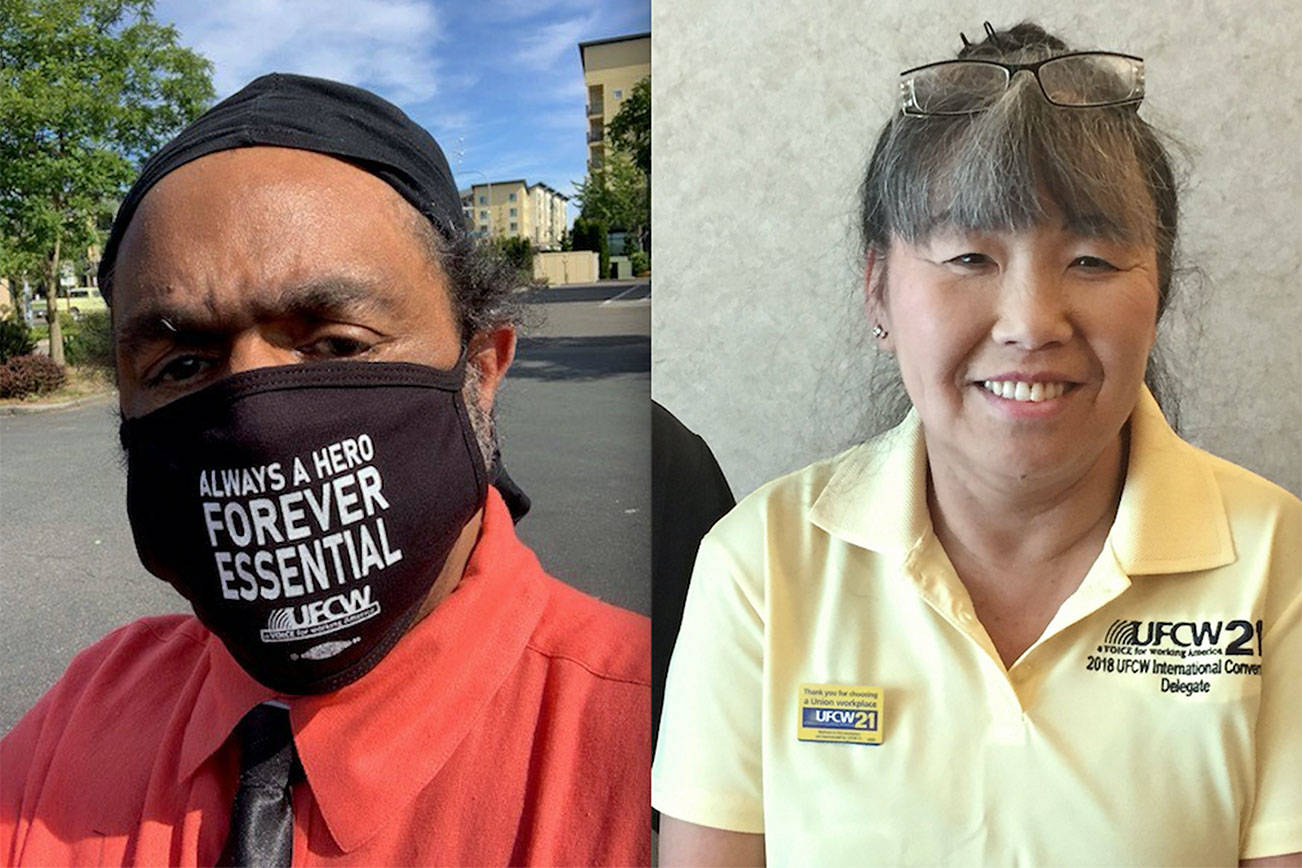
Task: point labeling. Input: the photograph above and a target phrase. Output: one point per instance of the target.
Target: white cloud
(384, 45)
(515, 10)
(546, 45)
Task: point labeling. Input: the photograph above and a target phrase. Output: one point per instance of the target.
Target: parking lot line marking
(621, 295)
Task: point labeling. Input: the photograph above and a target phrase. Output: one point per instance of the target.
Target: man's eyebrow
(329, 296)
(316, 299)
(162, 322)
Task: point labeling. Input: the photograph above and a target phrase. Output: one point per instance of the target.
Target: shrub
(91, 343)
(640, 262)
(30, 375)
(15, 340)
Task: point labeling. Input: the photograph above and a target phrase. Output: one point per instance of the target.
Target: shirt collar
(380, 740)
(877, 496)
(1170, 519)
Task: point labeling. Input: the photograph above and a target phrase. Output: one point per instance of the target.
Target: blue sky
(497, 82)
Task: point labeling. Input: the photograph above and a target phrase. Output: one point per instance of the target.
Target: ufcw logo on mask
(319, 617)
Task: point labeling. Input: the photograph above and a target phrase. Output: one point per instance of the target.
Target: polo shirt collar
(876, 498)
(369, 748)
(1171, 517)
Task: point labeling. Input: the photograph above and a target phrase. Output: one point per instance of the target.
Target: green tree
(517, 251)
(630, 128)
(619, 192)
(88, 89)
(590, 234)
(618, 195)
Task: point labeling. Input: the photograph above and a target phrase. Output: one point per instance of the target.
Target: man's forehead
(259, 233)
(290, 175)
(291, 214)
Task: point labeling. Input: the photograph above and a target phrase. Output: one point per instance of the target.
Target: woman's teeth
(1019, 390)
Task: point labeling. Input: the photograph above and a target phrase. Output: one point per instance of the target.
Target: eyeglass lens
(1091, 79)
(957, 88)
(1079, 81)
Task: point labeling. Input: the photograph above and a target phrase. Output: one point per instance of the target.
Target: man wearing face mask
(377, 670)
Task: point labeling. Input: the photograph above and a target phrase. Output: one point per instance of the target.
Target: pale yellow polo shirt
(1152, 723)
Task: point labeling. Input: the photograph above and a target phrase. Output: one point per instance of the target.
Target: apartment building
(516, 209)
(610, 69)
(547, 210)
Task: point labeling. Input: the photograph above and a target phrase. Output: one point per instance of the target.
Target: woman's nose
(1033, 312)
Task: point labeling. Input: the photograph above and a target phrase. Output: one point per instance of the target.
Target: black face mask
(305, 511)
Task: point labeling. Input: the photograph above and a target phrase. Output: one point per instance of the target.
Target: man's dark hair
(481, 281)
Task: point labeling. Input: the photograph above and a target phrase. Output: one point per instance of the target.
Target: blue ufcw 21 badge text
(840, 714)
(837, 718)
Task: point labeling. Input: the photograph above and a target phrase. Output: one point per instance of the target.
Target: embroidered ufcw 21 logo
(1240, 635)
(1182, 657)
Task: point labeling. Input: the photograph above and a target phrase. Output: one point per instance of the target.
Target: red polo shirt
(511, 725)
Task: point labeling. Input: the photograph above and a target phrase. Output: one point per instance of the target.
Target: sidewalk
(27, 408)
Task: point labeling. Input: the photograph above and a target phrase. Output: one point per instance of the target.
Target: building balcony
(595, 135)
(594, 109)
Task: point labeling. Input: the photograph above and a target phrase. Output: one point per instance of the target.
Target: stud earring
(879, 332)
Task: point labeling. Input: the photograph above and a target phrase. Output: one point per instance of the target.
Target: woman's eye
(335, 347)
(180, 369)
(1093, 263)
(971, 260)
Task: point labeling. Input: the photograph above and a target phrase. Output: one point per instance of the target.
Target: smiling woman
(928, 649)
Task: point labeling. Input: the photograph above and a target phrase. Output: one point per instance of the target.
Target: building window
(514, 227)
(512, 212)
(619, 94)
(483, 200)
(510, 197)
(483, 215)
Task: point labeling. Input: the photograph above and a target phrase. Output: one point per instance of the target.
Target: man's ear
(491, 352)
(874, 296)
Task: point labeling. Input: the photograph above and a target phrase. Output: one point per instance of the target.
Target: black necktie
(262, 816)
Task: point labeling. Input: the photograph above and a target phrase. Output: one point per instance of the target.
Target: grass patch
(83, 382)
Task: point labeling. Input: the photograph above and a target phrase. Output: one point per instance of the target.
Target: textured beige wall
(768, 110)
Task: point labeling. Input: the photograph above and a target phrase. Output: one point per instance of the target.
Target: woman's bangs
(1015, 166)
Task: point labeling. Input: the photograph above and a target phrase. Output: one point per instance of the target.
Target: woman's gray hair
(1008, 168)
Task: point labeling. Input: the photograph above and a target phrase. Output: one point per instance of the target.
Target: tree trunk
(52, 306)
(16, 296)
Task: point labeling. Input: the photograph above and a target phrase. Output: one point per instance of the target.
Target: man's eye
(180, 369)
(1093, 263)
(335, 347)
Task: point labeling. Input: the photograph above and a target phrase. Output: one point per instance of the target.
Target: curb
(29, 409)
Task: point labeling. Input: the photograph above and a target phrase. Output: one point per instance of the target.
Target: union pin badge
(840, 713)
